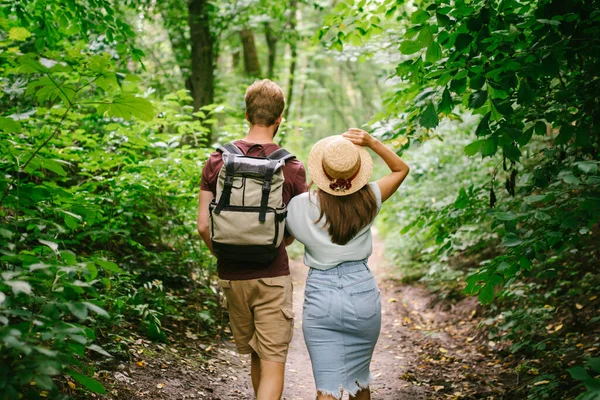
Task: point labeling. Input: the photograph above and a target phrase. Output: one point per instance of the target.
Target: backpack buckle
(266, 187)
(229, 180)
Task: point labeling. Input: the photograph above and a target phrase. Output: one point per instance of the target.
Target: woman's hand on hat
(359, 137)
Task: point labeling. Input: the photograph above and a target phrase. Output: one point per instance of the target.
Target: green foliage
(97, 199)
(521, 219)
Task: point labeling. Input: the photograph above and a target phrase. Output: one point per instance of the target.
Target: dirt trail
(427, 350)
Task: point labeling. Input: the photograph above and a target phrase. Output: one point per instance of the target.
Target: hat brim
(315, 168)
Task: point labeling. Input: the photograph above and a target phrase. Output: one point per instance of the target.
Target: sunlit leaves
(419, 16)
(410, 46)
(473, 148)
(127, 106)
(19, 34)
(434, 53)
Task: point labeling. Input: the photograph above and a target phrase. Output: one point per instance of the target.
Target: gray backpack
(247, 217)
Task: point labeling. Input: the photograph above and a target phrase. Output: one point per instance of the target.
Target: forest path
(428, 349)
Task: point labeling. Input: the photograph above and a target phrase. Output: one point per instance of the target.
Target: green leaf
(109, 266)
(54, 166)
(490, 146)
(486, 294)
(88, 383)
(579, 373)
(434, 53)
(570, 179)
(473, 148)
(50, 244)
(477, 82)
(477, 99)
(505, 216)
(446, 105)
(419, 16)
(525, 94)
(94, 308)
(589, 167)
(79, 310)
(511, 241)
(127, 105)
(92, 270)
(540, 128)
(483, 128)
(18, 34)
(458, 86)
(511, 152)
(541, 216)
(548, 22)
(463, 40)
(425, 36)
(19, 287)
(594, 363)
(410, 46)
(9, 125)
(99, 350)
(68, 257)
(429, 118)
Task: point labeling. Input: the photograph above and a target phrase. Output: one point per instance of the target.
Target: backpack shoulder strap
(281, 154)
(230, 148)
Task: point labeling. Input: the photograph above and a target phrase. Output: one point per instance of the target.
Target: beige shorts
(261, 315)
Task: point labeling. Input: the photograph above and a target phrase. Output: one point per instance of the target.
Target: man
(259, 296)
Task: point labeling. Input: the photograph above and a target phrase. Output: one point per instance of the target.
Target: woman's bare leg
(364, 394)
(325, 397)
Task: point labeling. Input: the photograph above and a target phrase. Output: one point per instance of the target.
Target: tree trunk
(235, 60)
(251, 63)
(272, 46)
(294, 55)
(201, 82)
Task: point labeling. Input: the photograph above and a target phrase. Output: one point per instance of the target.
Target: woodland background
(108, 110)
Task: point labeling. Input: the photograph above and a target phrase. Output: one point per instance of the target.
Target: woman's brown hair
(345, 216)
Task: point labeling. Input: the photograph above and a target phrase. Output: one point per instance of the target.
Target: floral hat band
(338, 166)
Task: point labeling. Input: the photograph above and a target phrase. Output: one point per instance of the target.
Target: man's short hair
(264, 102)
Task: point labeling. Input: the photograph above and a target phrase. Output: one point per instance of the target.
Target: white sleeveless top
(319, 251)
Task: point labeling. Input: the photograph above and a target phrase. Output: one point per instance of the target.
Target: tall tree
(272, 39)
(251, 62)
(201, 82)
(293, 53)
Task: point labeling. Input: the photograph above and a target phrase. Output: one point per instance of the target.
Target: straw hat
(338, 166)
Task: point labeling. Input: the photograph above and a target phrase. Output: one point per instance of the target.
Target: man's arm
(204, 217)
(299, 188)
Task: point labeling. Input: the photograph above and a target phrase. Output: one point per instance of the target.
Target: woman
(342, 303)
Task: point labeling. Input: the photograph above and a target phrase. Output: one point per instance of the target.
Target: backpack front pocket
(237, 234)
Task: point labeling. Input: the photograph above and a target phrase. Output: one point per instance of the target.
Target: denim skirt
(341, 324)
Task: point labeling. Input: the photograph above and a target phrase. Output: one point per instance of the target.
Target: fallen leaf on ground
(160, 385)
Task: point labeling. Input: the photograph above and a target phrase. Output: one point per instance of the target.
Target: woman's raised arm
(399, 169)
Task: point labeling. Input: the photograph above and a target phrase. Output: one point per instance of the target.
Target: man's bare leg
(255, 372)
(271, 380)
